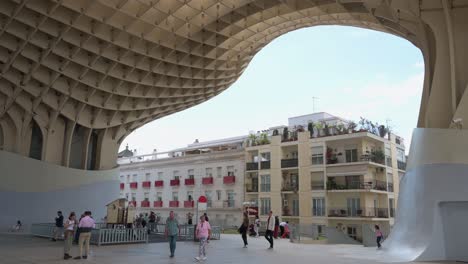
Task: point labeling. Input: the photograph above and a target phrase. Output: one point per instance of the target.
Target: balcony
(289, 163)
(370, 212)
(145, 204)
(146, 184)
(288, 212)
(229, 179)
(132, 203)
(175, 183)
(122, 186)
(158, 183)
(173, 203)
(392, 212)
(317, 185)
(133, 185)
(251, 166)
(401, 165)
(289, 187)
(265, 165)
(188, 204)
(251, 188)
(190, 182)
(228, 204)
(358, 185)
(158, 204)
(207, 180)
(390, 186)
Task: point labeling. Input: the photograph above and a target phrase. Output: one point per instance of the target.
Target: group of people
(72, 229)
(274, 228)
(202, 233)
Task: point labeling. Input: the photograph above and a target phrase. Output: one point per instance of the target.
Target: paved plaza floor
(19, 249)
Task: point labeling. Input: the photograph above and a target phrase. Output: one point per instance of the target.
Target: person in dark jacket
(243, 229)
(275, 232)
(58, 230)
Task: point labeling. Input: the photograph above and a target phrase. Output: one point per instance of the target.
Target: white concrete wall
(33, 191)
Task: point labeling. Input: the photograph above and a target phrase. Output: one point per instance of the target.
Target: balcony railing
(189, 181)
(318, 185)
(251, 188)
(175, 182)
(289, 163)
(122, 186)
(158, 204)
(173, 203)
(265, 165)
(401, 165)
(188, 204)
(358, 185)
(229, 203)
(145, 204)
(229, 179)
(288, 212)
(132, 203)
(361, 212)
(146, 184)
(158, 183)
(207, 180)
(289, 188)
(133, 185)
(250, 166)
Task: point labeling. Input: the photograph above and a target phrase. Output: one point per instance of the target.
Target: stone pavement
(22, 249)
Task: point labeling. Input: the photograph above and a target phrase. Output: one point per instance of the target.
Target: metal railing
(250, 166)
(289, 163)
(401, 165)
(361, 212)
(265, 165)
(289, 187)
(251, 188)
(111, 236)
(358, 185)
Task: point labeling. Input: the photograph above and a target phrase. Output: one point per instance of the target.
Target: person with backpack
(379, 236)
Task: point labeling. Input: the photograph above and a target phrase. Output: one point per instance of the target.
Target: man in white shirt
(270, 227)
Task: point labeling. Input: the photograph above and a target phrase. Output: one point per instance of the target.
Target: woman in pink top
(379, 236)
(203, 233)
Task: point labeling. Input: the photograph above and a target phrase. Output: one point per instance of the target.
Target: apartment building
(161, 182)
(323, 170)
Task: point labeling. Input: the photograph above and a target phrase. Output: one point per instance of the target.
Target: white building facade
(161, 182)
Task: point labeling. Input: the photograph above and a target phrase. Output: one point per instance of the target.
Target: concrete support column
(70, 128)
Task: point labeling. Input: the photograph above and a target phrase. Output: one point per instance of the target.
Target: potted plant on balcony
(383, 130)
(285, 134)
(310, 127)
(252, 140)
(331, 184)
(264, 139)
(319, 127)
(326, 129)
(352, 127)
(378, 156)
(331, 156)
(340, 128)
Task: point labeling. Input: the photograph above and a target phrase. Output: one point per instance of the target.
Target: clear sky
(354, 72)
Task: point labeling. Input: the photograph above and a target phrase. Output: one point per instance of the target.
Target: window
(230, 198)
(219, 172)
(160, 176)
(318, 206)
(121, 178)
(147, 176)
(265, 184)
(191, 174)
(126, 196)
(266, 156)
(230, 170)
(295, 207)
(128, 178)
(146, 196)
(317, 182)
(121, 195)
(134, 177)
(208, 198)
(265, 206)
(351, 155)
(218, 195)
(209, 172)
(391, 203)
(401, 154)
(133, 196)
(176, 175)
(159, 196)
(317, 156)
(354, 206)
(175, 196)
(190, 196)
(294, 155)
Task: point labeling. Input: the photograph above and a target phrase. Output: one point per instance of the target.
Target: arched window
(35, 149)
(92, 150)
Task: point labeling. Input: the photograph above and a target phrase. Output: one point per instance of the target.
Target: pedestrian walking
(77, 233)
(206, 217)
(275, 233)
(203, 233)
(86, 224)
(379, 236)
(69, 225)
(152, 222)
(281, 226)
(256, 225)
(189, 218)
(172, 231)
(58, 230)
(269, 229)
(243, 229)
